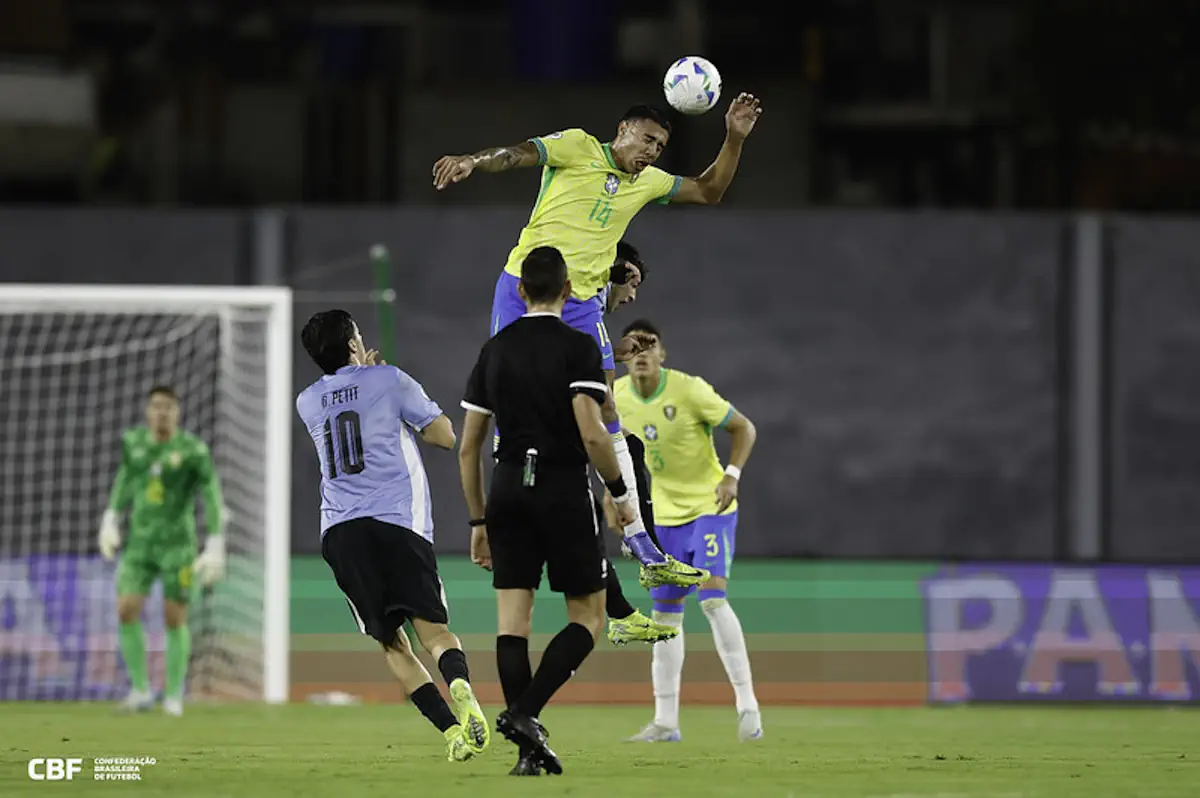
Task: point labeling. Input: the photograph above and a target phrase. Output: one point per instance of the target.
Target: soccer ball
(692, 85)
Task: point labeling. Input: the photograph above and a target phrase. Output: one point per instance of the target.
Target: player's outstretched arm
(710, 186)
(457, 168)
(742, 434)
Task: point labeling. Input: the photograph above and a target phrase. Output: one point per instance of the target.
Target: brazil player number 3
(347, 429)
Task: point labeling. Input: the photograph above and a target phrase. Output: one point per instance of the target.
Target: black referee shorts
(388, 574)
(552, 524)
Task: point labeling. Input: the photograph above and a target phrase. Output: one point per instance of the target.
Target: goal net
(77, 363)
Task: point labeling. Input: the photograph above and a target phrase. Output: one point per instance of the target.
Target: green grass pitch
(357, 752)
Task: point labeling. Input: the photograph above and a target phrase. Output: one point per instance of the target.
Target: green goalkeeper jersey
(160, 480)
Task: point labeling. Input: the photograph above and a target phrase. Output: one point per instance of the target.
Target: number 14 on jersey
(600, 212)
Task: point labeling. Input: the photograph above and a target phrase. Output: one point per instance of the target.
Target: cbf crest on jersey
(611, 183)
(669, 412)
(651, 432)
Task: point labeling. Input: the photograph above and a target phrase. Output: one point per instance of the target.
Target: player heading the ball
(590, 192)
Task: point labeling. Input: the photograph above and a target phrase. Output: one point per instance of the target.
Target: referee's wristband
(616, 488)
(733, 471)
(474, 522)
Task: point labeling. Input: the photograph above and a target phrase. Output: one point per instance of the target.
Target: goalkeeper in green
(162, 470)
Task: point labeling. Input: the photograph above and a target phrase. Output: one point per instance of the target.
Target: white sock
(731, 648)
(625, 461)
(666, 672)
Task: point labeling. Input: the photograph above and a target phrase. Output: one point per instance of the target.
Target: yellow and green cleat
(638, 628)
(457, 748)
(470, 716)
(671, 572)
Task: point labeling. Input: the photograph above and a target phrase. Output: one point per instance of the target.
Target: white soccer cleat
(653, 733)
(137, 701)
(173, 706)
(750, 725)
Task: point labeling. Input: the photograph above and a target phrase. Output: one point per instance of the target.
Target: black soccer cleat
(528, 734)
(528, 764)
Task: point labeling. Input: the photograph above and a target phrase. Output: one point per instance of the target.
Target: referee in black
(544, 384)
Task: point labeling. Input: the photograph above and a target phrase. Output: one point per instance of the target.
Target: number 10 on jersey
(346, 428)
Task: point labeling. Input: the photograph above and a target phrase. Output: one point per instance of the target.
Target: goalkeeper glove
(209, 567)
(110, 535)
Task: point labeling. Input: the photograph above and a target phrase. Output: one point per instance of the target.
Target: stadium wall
(902, 370)
(908, 373)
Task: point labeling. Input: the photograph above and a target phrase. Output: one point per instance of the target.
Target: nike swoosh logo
(598, 165)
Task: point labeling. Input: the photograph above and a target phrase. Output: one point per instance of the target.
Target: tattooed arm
(456, 168)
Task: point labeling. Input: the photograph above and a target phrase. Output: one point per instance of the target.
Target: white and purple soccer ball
(692, 85)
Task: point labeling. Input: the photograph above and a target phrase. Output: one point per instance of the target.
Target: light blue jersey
(362, 421)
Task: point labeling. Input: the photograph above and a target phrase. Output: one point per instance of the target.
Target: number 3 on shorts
(710, 545)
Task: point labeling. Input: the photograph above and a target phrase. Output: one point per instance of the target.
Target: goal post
(77, 362)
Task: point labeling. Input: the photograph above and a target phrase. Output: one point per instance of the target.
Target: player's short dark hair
(628, 253)
(648, 112)
(326, 338)
(642, 326)
(162, 390)
(543, 274)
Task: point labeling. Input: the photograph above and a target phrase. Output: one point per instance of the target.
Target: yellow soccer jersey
(676, 424)
(584, 206)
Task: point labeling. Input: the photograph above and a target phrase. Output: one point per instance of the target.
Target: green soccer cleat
(672, 572)
(470, 715)
(638, 628)
(457, 747)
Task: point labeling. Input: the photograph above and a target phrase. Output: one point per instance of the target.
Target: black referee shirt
(526, 377)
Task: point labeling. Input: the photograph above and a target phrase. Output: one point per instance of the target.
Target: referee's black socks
(453, 665)
(562, 657)
(427, 699)
(512, 664)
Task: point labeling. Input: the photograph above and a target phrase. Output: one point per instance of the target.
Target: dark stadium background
(958, 226)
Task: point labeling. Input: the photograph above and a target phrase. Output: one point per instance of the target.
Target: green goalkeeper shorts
(139, 568)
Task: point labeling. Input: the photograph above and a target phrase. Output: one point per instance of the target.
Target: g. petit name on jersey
(340, 397)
